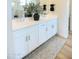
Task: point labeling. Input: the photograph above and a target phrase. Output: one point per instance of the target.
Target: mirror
(18, 9)
(18, 6)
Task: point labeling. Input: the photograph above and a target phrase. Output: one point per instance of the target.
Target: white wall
(9, 31)
(62, 10)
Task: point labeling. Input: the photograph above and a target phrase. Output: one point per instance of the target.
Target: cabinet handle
(27, 38)
(52, 26)
(46, 29)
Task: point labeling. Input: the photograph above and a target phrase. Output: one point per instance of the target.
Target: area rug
(48, 50)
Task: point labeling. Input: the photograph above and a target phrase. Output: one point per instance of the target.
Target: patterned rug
(48, 50)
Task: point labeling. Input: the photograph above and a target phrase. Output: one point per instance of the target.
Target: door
(51, 28)
(33, 37)
(21, 42)
(42, 33)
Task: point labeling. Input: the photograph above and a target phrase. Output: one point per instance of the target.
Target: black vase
(51, 7)
(44, 7)
(36, 16)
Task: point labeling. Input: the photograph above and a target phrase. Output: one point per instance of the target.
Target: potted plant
(29, 9)
(37, 11)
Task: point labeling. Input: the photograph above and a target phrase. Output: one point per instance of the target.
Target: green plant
(33, 8)
(37, 8)
(29, 8)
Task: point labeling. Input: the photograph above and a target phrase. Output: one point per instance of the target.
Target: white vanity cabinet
(51, 28)
(31, 35)
(25, 40)
(42, 33)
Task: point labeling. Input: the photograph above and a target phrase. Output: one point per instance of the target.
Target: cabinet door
(42, 33)
(33, 38)
(52, 28)
(21, 42)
